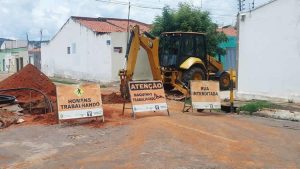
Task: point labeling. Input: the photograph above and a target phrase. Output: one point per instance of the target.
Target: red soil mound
(28, 77)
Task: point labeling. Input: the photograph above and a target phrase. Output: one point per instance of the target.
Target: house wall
(21, 54)
(2, 57)
(142, 69)
(10, 56)
(91, 59)
(269, 52)
(94, 58)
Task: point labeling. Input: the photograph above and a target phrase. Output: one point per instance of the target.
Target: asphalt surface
(154, 140)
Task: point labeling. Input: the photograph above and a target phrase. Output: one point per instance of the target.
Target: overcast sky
(20, 16)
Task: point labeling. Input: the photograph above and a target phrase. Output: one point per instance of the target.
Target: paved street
(191, 140)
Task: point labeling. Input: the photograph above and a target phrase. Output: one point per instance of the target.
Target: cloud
(19, 17)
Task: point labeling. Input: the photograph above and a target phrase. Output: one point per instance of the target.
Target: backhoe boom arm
(150, 44)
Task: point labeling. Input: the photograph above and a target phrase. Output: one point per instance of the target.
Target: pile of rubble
(10, 114)
(9, 111)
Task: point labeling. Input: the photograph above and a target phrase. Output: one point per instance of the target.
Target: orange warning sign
(147, 96)
(205, 94)
(79, 101)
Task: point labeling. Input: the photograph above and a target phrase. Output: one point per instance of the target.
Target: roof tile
(229, 31)
(107, 25)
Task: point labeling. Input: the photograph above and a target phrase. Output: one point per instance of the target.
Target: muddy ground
(154, 140)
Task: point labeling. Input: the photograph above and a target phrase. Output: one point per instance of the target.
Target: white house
(92, 49)
(269, 51)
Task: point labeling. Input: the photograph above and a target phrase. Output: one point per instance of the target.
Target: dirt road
(191, 140)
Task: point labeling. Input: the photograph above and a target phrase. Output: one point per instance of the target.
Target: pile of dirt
(29, 77)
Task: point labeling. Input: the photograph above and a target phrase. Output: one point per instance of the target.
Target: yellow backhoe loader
(175, 58)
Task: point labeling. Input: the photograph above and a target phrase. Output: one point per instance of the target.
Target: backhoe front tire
(194, 73)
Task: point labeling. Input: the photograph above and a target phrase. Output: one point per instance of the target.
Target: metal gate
(230, 59)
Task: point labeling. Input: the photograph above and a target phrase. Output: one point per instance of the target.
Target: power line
(127, 3)
(229, 16)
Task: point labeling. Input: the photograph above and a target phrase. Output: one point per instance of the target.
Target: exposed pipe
(50, 107)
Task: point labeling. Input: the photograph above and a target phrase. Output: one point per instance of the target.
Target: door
(3, 65)
(230, 59)
(17, 64)
(21, 63)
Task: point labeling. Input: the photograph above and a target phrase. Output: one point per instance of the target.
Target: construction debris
(10, 114)
(279, 114)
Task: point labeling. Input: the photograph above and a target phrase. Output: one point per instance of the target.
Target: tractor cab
(177, 47)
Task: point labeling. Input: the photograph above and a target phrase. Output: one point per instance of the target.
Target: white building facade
(269, 52)
(90, 49)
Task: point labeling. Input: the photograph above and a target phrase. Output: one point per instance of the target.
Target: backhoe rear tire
(194, 73)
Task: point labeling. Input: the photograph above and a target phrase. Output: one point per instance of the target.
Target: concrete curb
(277, 114)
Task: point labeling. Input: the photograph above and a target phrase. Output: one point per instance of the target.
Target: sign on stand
(79, 101)
(205, 94)
(147, 96)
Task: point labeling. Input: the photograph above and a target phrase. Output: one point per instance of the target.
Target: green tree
(189, 18)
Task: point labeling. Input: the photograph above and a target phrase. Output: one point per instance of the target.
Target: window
(68, 50)
(108, 42)
(200, 46)
(73, 48)
(187, 45)
(169, 50)
(118, 49)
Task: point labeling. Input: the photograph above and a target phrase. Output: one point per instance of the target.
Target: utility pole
(128, 34)
(128, 23)
(41, 35)
(241, 5)
(27, 38)
(201, 4)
